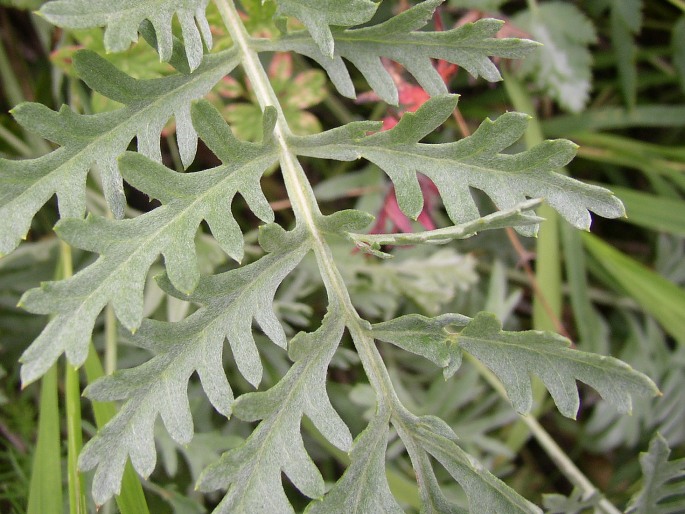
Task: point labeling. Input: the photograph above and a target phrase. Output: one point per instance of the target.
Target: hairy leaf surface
(319, 15)
(562, 65)
(88, 140)
(515, 356)
(363, 487)
(195, 345)
(123, 17)
(663, 489)
(427, 337)
(475, 161)
(485, 492)
(469, 46)
(129, 247)
(252, 472)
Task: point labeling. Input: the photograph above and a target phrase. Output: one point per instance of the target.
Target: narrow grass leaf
(659, 297)
(45, 489)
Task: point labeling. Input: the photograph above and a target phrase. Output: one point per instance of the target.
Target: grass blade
(72, 395)
(45, 490)
(656, 295)
(653, 211)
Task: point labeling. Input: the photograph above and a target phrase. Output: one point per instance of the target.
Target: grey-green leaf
(128, 248)
(319, 15)
(122, 18)
(195, 345)
(252, 472)
(399, 39)
(474, 161)
(515, 356)
(663, 488)
(363, 487)
(99, 139)
(562, 65)
(428, 337)
(485, 492)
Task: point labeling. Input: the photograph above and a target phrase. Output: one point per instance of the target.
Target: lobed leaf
(363, 487)
(88, 140)
(475, 161)
(562, 66)
(371, 243)
(515, 356)
(486, 494)
(122, 19)
(663, 490)
(427, 337)
(128, 248)
(319, 15)
(399, 39)
(252, 472)
(195, 345)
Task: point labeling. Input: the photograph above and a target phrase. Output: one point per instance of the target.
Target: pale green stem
(110, 334)
(175, 155)
(558, 456)
(110, 340)
(72, 393)
(305, 205)
(72, 397)
(307, 211)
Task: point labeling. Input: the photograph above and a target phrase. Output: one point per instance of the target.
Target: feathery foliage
(226, 304)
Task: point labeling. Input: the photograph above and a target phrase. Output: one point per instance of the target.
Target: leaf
(655, 212)
(474, 161)
(122, 19)
(663, 490)
(89, 140)
(562, 65)
(252, 472)
(576, 503)
(319, 15)
(485, 492)
(658, 296)
(363, 487)
(626, 21)
(515, 356)
(500, 219)
(399, 39)
(678, 46)
(195, 345)
(427, 337)
(45, 488)
(630, 12)
(128, 248)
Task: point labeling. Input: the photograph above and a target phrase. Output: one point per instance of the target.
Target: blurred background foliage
(610, 76)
